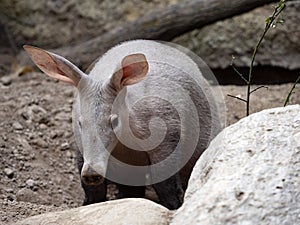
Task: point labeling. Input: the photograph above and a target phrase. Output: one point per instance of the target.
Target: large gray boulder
(118, 212)
(249, 174)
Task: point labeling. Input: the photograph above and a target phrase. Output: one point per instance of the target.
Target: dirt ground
(38, 170)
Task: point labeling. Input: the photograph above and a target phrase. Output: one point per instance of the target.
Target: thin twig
(238, 72)
(269, 23)
(291, 92)
(241, 99)
(256, 89)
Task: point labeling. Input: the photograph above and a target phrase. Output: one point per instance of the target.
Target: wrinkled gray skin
(115, 117)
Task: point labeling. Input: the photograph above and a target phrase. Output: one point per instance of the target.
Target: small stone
(43, 126)
(9, 190)
(27, 195)
(10, 198)
(38, 109)
(6, 80)
(71, 178)
(53, 134)
(30, 183)
(25, 115)
(35, 188)
(44, 154)
(69, 154)
(68, 134)
(17, 126)
(4, 138)
(41, 143)
(9, 172)
(32, 156)
(64, 146)
(62, 116)
(69, 92)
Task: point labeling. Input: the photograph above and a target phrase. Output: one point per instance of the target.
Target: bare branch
(291, 92)
(238, 72)
(241, 99)
(258, 88)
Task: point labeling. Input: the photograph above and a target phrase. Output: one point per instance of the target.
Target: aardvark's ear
(134, 69)
(54, 65)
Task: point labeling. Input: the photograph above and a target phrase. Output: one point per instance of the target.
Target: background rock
(125, 211)
(50, 24)
(249, 174)
(237, 37)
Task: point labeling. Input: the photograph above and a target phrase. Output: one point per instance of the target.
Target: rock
(9, 190)
(43, 126)
(249, 174)
(41, 143)
(64, 146)
(26, 147)
(62, 116)
(124, 211)
(37, 109)
(27, 195)
(6, 80)
(92, 18)
(30, 183)
(69, 92)
(9, 172)
(17, 126)
(217, 43)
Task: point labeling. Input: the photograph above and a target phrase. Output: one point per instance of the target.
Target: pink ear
(54, 65)
(135, 68)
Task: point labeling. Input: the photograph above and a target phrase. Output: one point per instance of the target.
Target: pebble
(26, 147)
(30, 183)
(24, 115)
(10, 198)
(69, 154)
(32, 156)
(9, 190)
(17, 126)
(71, 178)
(44, 154)
(27, 195)
(41, 143)
(68, 134)
(69, 92)
(9, 172)
(43, 126)
(64, 146)
(6, 80)
(38, 109)
(61, 116)
(53, 134)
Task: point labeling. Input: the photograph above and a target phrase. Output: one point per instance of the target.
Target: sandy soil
(38, 170)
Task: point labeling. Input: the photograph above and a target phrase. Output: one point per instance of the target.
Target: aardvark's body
(143, 115)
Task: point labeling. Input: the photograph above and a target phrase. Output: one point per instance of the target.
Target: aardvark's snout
(90, 176)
